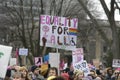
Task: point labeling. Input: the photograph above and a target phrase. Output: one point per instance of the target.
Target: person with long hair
(115, 75)
(35, 73)
(52, 73)
(17, 76)
(78, 75)
(24, 72)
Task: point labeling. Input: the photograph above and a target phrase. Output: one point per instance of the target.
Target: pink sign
(77, 55)
(38, 61)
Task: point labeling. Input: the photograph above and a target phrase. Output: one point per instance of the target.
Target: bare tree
(22, 17)
(111, 18)
(110, 14)
(21, 14)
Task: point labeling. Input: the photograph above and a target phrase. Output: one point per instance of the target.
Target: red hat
(118, 69)
(65, 75)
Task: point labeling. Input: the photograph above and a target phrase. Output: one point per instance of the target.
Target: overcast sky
(97, 7)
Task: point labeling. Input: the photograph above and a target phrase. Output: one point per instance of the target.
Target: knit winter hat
(65, 75)
(33, 68)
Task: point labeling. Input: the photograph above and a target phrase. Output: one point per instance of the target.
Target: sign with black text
(82, 66)
(58, 32)
(116, 63)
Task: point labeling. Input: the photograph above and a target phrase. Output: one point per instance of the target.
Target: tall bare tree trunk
(115, 39)
(115, 44)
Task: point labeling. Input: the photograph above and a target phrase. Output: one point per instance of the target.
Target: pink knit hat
(65, 75)
(118, 69)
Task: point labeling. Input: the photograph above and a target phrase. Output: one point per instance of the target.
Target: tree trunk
(110, 15)
(96, 25)
(115, 44)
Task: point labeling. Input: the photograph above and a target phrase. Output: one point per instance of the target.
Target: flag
(72, 31)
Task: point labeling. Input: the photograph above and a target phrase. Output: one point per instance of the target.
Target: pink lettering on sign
(75, 22)
(42, 19)
(48, 20)
(54, 20)
(45, 29)
(53, 39)
(65, 22)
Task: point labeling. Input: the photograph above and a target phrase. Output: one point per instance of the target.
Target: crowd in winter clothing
(52, 73)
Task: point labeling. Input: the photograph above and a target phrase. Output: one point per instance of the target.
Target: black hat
(98, 72)
(33, 68)
(70, 73)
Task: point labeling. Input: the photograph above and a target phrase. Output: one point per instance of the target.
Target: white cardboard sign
(13, 61)
(116, 63)
(54, 60)
(82, 66)
(23, 51)
(5, 52)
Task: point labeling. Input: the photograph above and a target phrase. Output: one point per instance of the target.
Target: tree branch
(96, 25)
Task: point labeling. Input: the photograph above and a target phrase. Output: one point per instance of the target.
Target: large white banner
(5, 52)
(59, 32)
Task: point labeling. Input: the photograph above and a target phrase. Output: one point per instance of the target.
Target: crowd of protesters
(52, 73)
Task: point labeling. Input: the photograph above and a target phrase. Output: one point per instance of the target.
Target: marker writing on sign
(55, 20)
(1, 54)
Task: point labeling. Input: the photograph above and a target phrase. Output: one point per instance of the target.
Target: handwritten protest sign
(59, 32)
(77, 55)
(82, 66)
(23, 51)
(38, 61)
(116, 63)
